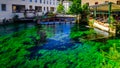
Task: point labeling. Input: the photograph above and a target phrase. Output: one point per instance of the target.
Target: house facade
(94, 2)
(9, 8)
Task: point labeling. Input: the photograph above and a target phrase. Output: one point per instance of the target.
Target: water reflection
(11, 28)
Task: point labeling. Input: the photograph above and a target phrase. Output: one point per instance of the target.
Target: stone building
(9, 8)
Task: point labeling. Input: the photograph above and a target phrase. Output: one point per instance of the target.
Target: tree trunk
(78, 19)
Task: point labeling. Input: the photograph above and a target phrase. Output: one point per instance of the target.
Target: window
(47, 1)
(36, 1)
(96, 3)
(18, 8)
(38, 8)
(3, 7)
(40, 1)
(53, 2)
(47, 9)
(87, 3)
(30, 0)
(44, 1)
(52, 9)
(30, 7)
(106, 1)
(44, 8)
(50, 2)
(118, 2)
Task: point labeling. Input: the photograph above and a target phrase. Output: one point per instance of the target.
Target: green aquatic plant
(15, 52)
(79, 34)
(107, 52)
(13, 47)
(111, 58)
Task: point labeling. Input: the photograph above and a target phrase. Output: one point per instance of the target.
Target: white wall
(8, 13)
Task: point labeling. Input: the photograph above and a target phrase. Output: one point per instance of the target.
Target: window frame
(3, 7)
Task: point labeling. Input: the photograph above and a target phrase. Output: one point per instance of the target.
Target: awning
(105, 7)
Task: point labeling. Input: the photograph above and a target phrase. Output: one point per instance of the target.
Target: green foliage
(76, 34)
(14, 52)
(13, 47)
(60, 8)
(76, 58)
(108, 51)
(82, 12)
(112, 20)
(80, 32)
(75, 8)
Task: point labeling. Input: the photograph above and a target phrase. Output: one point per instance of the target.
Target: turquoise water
(60, 40)
(59, 51)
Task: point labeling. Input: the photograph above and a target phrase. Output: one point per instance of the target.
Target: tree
(60, 8)
(75, 8)
(81, 11)
(84, 14)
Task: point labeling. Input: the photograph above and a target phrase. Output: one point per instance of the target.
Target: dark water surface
(12, 28)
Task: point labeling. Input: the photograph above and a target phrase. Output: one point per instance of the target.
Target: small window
(44, 1)
(30, 7)
(18, 8)
(96, 3)
(118, 2)
(44, 8)
(106, 1)
(36, 1)
(52, 9)
(38, 8)
(47, 2)
(40, 1)
(87, 3)
(47, 9)
(3, 7)
(30, 0)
